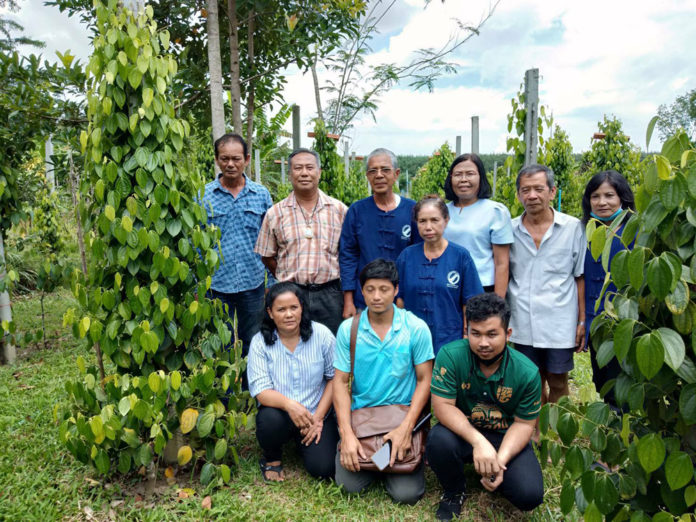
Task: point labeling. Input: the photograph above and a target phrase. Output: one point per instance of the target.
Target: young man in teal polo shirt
(393, 365)
(487, 398)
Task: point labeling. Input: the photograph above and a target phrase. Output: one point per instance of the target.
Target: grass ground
(40, 480)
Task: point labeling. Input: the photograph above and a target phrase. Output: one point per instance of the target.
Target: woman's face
(431, 223)
(466, 181)
(605, 201)
(286, 312)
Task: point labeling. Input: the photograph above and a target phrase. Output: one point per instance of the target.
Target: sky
(615, 57)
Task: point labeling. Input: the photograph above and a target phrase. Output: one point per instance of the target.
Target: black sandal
(265, 467)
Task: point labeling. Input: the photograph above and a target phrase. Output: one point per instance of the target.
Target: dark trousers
(248, 306)
(274, 428)
(325, 303)
(600, 376)
(523, 484)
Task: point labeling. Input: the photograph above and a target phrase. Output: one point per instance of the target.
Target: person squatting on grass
(487, 398)
(393, 365)
(291, 375)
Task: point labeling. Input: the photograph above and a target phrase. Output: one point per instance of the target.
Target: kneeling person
(393, 365)
(487, 398)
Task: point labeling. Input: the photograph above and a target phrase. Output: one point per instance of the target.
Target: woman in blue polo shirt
(478, 224)
(291, 373)
(606, 195)
(436, 277)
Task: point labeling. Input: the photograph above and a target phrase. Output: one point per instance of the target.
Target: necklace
(308, 222)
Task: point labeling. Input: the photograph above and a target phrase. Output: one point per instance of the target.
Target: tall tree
(358, 87)
(679, 114)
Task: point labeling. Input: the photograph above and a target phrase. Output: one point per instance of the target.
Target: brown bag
(371, 424)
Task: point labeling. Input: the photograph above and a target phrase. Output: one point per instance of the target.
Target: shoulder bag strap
(353, 341)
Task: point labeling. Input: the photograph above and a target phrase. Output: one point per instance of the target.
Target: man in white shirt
(547, 289)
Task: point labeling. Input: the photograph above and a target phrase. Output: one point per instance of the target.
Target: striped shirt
(300, 375)
(239, 220)
(301, 259)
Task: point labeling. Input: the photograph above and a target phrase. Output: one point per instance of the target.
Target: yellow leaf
(109, 212)
(169, 472)
(154, 382)
(127, 223)
(85, 323)
(175, 380)
(164, 304)
(184, 456)
(188, 420)
(193, 307)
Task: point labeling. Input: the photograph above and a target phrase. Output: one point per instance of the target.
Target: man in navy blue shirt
(379, 226)
(237, 205)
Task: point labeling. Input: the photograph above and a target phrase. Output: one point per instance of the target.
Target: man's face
(535, 194)
(379, 295)
(381, 174)
(487, 338)
(231, 160)
(304, 172)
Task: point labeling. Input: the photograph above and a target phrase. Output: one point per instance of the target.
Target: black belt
(312, 287)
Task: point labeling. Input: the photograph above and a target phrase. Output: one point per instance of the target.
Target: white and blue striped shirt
(300, 375)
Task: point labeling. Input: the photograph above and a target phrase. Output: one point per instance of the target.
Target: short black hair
(616, 180)
(230, 136)
(304, 151)
(268, 327)
(484, 190)
(486, 305)
(380, 269)
(532, 169)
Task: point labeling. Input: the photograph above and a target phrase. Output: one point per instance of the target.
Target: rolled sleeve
(443, 383)
(258, 372)
(530, 405)
(266, 244)
(579, 251)
(328, 350)
(421, 343)
(501, 226)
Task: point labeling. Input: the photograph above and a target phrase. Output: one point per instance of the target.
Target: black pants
(325, 303)
(600, 376)
(523, 484)
(274, 428)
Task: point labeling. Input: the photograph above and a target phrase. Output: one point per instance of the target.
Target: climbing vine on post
(151, 259)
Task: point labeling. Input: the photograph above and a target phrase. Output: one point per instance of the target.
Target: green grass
(40, 480)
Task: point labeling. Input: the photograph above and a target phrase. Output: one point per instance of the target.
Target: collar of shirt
(397, 323)
(559, 219)
(249, 186)
(322, 201)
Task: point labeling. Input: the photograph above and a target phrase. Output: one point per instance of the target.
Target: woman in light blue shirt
(290, 372)
(478, 224)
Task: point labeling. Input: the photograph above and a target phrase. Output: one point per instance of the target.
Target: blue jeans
(248, 306)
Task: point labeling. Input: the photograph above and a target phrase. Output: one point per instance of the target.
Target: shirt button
(485, 393)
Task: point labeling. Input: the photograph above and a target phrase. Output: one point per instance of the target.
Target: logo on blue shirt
(453, 279)
(405, 231)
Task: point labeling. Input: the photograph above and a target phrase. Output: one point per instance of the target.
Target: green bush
(431, 176)
(648, 326)
(143, 303)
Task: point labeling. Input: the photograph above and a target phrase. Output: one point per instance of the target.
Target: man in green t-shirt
(487, 398)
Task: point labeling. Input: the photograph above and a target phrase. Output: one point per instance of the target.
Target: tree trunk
(317, 93)
(217, 107)
(251, 93)
(235, 75)
(9, 354)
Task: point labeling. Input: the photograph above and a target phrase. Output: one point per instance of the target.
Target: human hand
(313, 433)
(350, 450)
(349, 309)
(400, 438)
(485, 459)
(299, 415)
(579, 338)
(492, 482)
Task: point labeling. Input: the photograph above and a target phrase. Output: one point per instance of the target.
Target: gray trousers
(402, 488)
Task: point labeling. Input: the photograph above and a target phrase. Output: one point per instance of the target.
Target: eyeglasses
(465, 175)
(384, 170)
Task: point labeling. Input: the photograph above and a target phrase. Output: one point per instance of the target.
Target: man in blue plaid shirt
(237, 205)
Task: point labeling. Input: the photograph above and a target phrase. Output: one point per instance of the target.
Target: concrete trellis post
(296, 127)
(475, 134)
(459, 145)
(531, 102)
